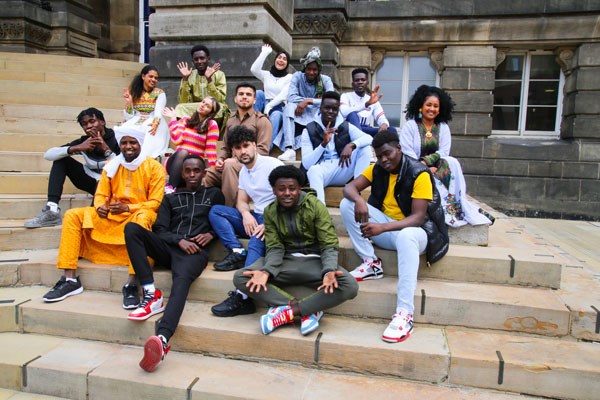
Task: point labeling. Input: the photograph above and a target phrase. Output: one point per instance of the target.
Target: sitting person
(404, 214)
(227, 168)
(426, 137)
(302, 249)
(144, 103)
(197, 84)
(328, 148)
(130, 190)
(97, 147)
(178, 241)
(271, 101)
(229, 222)
(197, 135)
(304, 98)
(361, 107)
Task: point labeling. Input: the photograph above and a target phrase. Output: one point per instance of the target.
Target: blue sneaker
(276, 317)
(310, 323)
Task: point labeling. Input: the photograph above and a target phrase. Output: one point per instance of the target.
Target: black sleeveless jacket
(341, 138)
(434, 225)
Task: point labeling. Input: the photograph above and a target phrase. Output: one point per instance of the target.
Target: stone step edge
(103, 356)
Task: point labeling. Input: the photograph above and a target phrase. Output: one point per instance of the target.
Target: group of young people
(240, 191)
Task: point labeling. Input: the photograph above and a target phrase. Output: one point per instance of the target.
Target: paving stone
(542, 367)
(10, 300)
(6, 394)
(580, 290)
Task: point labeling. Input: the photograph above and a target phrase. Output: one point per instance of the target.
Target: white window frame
(405, 96)
(521, 132)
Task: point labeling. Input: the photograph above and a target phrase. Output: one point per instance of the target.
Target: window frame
(405, 96)
(524, 101)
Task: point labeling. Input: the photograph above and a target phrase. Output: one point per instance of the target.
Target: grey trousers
(299, 271)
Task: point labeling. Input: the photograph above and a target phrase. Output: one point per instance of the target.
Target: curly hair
(385, 137)
(200, 47)
(418, 99)
(90, 112)
(136, 87)
(198, 123)
(240, 134)
(286, 171)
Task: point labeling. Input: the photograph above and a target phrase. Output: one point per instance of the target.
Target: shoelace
(281, 318)
(148, 297)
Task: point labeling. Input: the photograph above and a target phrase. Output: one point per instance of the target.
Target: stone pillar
(581, 112)
(468, 76)
(320, 23)
(233, 32)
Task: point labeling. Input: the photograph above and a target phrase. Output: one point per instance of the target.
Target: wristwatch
(107, 153)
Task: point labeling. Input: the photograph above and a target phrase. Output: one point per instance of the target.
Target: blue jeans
(260, 101)
(276, 118)
(227, 222)
(354, 119)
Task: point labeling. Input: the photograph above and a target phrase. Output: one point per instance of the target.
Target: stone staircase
(513, 318)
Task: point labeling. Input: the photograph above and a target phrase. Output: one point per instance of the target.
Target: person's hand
(361, 211)
(257, 281)
(153, 128)
(87, 145)
(301, 107)
(188, 247)
(267, 46)
(374, 97)
(433, 170)
(346, 155)
(202, 239)
(249, 223)
(116, 207)
(370, 229)
(383, 127)
(184, 70)
(103, 210)
(127, 97)
(330, 281)
(219, 164)
(211, 70)
(259, 232)
(329, 131)
(99, 143)
(169, 112)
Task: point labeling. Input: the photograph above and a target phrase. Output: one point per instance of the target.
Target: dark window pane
(505, 118)
(421, 69)
(543, 93)
(540, 119)
(544, 67)
(510, 68)
(391, 90)
(392, 68)
(507, 93)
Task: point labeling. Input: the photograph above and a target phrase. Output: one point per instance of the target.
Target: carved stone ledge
(320, 24)
(37, 34)
(23, 31)
(500, 56)
(376, 58)
(565, 57)
(437, 58)
(12, 30)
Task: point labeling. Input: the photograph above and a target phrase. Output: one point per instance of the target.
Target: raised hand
(127, 97)
(169, 112)
(375, 96)
(184, 70)
(211, 70)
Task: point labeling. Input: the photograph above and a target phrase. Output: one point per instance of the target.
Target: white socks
(53, 206)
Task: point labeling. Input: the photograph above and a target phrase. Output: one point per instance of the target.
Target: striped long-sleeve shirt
(203, 145)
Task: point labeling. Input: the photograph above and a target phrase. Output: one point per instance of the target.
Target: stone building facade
(525, 75)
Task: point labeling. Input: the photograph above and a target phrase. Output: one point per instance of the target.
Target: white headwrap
(138, 132)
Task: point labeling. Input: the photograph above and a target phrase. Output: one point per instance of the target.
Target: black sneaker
(232, 262)
(131, 296)
(63, 289)
(234, 305)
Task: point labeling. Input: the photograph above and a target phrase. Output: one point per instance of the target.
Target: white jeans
(329, 173)
(409, 243)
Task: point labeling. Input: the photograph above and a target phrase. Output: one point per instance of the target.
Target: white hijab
(136, 132)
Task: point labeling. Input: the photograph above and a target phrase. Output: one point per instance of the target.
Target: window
(528, 95)
(399, 77)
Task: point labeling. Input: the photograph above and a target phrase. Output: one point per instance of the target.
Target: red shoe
(155, 350)
(152, 304)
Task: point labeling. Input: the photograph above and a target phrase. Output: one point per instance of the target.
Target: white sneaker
(400, 328)
(368, 270)
(288, 155)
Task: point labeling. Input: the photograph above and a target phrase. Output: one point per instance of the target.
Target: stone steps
(30, 183)
(18, 142)
(532, 364)
(61, 77)
(476, 305)
(51, 89)
(50, 113)
(114, 101)
(110, 371)
(13, 125)
(23, 206)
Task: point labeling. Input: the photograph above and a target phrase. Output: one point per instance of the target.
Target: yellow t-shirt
(421, 190)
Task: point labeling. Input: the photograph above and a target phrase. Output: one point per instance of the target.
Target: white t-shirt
(350, 102)
(255, 181)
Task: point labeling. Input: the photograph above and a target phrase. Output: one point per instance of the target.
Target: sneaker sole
(312, 327)
(396, 340)
(31, 226)
(233, 313)
(145, 317)
(131, 307)
(368, 278)
(73, 293)
(153, 354)
(228, 268)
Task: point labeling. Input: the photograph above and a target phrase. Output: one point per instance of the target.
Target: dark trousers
(68, 167)
(185, 268)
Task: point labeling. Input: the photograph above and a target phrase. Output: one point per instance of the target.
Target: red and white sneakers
(368, 270)
(400, 328)
(151, 304)
(155, 350)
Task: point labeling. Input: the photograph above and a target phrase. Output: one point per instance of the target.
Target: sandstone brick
(563, 189)
(470, 56)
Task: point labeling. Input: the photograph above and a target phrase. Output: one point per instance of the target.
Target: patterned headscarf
(314, 55)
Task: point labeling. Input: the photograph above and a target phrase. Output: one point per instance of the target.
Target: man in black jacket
(403, 214)
(178, 240)
(97, 146)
